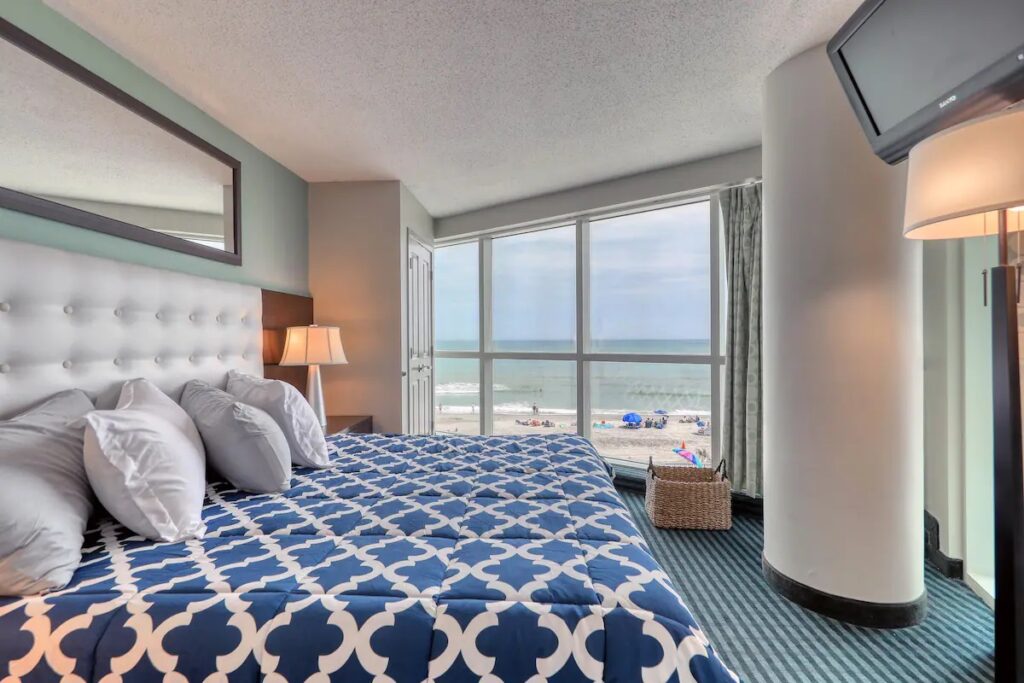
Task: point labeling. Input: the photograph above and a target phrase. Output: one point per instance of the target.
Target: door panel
(421, 338)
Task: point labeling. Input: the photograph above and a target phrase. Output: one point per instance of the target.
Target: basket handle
(721, 469)
(650, 466)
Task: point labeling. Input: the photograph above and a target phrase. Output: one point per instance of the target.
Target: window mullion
(716, 328)
(486, 365)
(582, 326)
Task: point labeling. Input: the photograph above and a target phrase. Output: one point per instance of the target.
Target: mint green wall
(274, 210)
(958, 403)
(979, 524)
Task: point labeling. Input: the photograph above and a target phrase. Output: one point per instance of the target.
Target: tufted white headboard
(73, 321)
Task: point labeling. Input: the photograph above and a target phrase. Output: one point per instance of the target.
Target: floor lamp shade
(314, 345)
(968, 181)
(959, 180)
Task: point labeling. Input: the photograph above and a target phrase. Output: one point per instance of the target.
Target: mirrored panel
(78, 150)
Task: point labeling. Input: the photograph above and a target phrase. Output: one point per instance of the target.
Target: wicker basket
(688, 497)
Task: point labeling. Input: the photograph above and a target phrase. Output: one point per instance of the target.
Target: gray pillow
(290, 411)
(243, 443)
(45, 499)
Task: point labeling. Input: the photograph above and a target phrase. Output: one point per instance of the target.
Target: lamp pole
(1008, 467)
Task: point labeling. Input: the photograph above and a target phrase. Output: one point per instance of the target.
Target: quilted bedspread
(408, 559)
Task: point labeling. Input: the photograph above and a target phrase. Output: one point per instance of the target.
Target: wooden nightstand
(351, 424)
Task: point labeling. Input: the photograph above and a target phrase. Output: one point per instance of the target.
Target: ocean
(616, 388)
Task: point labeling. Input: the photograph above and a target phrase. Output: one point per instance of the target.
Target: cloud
(650, 279)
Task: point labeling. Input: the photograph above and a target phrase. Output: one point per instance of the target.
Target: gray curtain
(741, 423)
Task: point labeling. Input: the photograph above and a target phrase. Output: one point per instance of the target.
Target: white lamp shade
(313, 345)
(959, 179)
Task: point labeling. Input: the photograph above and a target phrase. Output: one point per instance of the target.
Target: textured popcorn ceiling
(470, 102)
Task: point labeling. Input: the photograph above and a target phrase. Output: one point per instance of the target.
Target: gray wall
(620, 192)
(274, 214)
(357, 279)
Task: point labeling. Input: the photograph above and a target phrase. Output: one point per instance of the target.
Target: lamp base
(315, 395)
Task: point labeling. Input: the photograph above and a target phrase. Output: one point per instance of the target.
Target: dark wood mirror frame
(24, 203)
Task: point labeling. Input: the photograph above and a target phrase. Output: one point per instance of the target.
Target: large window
(673, 401)
(607, 327)
(533, 291)
(457, 395)
(457, 304)
(650, 282)
(534, 396)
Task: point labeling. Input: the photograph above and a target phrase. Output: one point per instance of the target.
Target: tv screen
(913, 67)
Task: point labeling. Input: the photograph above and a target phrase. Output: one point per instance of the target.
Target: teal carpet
(763, 637)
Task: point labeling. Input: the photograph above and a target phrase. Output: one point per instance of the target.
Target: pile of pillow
(146, 463)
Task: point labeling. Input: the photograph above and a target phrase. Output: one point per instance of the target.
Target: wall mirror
(78, 150)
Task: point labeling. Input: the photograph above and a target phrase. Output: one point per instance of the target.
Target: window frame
(582, 356)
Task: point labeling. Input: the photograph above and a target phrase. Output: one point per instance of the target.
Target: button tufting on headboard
(57, 331)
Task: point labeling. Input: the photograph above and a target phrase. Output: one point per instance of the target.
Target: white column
(843, 469)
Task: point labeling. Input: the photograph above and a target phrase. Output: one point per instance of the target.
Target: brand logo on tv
(948, 101)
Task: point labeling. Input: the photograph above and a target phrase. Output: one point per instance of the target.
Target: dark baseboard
(947, 566)
(624, 480)
(742, 504)
(848, 610)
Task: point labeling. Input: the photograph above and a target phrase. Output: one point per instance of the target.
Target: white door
(421, 338)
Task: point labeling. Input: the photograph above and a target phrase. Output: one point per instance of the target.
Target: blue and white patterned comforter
(408, 559)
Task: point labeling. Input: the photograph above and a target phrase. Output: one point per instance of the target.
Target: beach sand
(618, 443)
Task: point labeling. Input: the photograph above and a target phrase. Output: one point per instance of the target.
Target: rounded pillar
(842, 359)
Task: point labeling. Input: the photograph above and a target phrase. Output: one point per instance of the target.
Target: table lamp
(314, 346)
(968, 181)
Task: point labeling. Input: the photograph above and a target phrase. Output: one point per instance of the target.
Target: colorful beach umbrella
(632, 418)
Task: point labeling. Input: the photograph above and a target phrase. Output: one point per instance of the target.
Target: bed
(407, 559)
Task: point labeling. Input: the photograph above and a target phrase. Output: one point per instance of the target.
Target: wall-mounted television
(914, 67)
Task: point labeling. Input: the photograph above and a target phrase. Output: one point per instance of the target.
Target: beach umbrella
(632, 418)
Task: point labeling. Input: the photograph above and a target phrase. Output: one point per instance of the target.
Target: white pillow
(242, 442)
(146, 464)
(290, 411)
(45, 500)
(141, 394)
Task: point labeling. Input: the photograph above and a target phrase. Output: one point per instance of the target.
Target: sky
(649, 279)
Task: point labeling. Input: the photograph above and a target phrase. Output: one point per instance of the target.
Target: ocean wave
(527, 409)
(463, 388)
(459, 410)
(519, 408)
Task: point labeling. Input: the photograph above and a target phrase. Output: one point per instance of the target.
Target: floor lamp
(968, 181)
